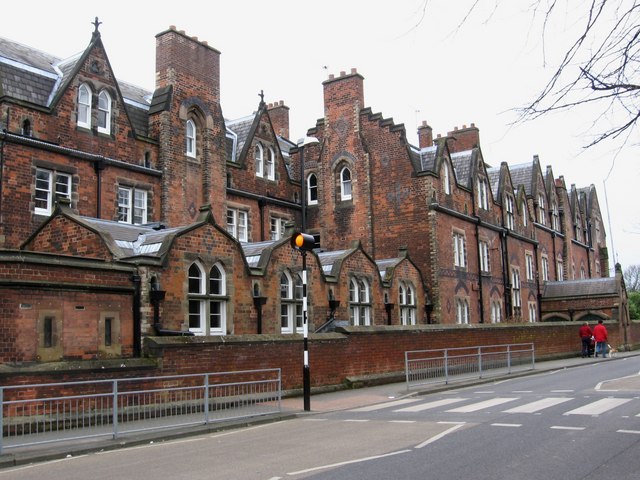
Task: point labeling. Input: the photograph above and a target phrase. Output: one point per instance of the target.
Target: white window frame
(525, 213)
(204, 302)
(312, 189)
(533, 312)
(407, 302)
(446, 185)
(485, 264)
(277, 228)
(509, 209)
(104, 112)
(555, 216)
(516, 299)
(496, 311)
(84, 106)
(542, 213)
(291, 320)
(46, 190)
(346, 185)
(191, 137)
(462, 311)
(132, 205)
(528, 257)
(459, 250)
(483, 193)
(258, 156)
(237, 224)
(270, 165)
(359, 302)
(560, 270)
(545, 268)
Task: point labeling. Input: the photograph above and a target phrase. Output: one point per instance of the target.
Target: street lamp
(303, 142)
(304, 243)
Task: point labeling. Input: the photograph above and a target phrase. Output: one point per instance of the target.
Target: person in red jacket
(600, 336)
(585, 335)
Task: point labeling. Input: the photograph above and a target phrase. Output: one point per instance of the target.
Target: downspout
(261, 203)
(98, 166)
(538, 294)
(505, 275)
(480, 294)
(137, 333)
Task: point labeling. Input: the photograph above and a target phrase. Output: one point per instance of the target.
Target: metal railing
(54, 412)
(444, 365)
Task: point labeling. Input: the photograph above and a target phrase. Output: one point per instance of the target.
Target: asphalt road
(579, 423)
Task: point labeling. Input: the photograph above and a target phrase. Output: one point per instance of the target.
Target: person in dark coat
(585, 335)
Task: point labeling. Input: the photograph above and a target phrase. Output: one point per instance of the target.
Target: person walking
(600, 336)
(585, 335)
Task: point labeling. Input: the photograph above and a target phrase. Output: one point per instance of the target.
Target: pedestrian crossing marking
(474, 407)
(426, 406)
(538, 405)
(599, 406)
(380, 406)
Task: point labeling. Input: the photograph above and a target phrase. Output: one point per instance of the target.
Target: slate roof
(522, 174)
(462, 167)
(494, 182)
(385, 264)
(253, 251)
(33, 76)
(593, 287)
(329, 259)
(241, 127)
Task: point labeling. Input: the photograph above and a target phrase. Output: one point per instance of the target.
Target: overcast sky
(415, 69)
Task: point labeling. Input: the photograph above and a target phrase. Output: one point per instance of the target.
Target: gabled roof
(592, 287)
(30, 75)
(462, 167)
(522, 174)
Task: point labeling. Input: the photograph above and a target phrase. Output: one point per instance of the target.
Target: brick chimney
(343, 98)
(185, 61)
(279, 115)
(425, 135)
(463, 139)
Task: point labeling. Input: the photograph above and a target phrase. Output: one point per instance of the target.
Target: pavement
(293, 407)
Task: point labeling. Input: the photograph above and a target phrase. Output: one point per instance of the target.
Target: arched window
(542, 212)
(359, 302)
(207, 300)
(259, 160)
(407, 302)
(26, 127)
(446, 185)
(104, 112)
(290, 303)
(525, 213)
(270, 166)
(345, 184)
(496, 311)
(84, 106)
(462, 311)
(191, 137)
(312, 189)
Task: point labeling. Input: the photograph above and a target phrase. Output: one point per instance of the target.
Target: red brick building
(126, 213)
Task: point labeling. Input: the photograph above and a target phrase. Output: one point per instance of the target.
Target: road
(579, 423)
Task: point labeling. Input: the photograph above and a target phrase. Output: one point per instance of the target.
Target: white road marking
(599, 406)
(440, 435)
(347, 462)
(558, 427)
(537, 405)
(426, 406)
(380, 406)
(512, 425)
(635, 432)
(474, 407)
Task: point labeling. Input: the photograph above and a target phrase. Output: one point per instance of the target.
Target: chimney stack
(425, 135)
(463, 139)
(279, 115)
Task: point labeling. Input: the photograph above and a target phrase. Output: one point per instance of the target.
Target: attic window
(84, 106)
(26, 128)
(104, 112)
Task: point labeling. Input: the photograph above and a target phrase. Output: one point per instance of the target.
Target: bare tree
(632, 278)
(599, 67)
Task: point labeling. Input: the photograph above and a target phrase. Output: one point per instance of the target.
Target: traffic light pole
(306, 374)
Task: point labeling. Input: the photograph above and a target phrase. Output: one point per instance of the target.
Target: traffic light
(303, 241)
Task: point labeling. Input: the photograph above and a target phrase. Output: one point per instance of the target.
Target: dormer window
(542, 214)
(509, 214)
(259, 160)
(270, 164)
(555, 217)
(446, 186)
(84, 106)
(190, 148)
(104, 112)
(525, 214)
(483, 193)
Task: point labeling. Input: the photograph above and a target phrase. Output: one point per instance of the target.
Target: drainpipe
(137, 332)
(261, 204)
(538, 291)
(477, 229)
(98, 166)
(505, 275)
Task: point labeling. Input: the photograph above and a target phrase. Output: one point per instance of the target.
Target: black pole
(303, 192)
(306, 374)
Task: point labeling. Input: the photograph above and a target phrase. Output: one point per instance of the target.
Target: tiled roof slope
(580, 288)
